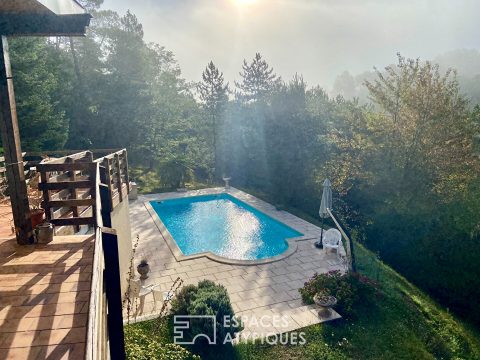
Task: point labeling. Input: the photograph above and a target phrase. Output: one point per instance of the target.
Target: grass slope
(404, 323)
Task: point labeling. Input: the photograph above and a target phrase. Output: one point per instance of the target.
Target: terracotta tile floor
(44, 298)
(5, 220)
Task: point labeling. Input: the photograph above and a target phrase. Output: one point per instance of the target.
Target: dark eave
(42, 18)
(44, 24)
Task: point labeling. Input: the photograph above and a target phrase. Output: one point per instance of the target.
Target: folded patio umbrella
(325, 203)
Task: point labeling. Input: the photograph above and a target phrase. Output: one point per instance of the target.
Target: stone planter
(325, 304)
(227, 182)
(143, 269)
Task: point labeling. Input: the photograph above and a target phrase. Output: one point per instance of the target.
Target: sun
(244, 2)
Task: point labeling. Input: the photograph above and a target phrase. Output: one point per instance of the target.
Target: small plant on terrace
(350, 289)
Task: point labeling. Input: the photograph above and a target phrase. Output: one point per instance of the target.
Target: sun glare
(244, 2)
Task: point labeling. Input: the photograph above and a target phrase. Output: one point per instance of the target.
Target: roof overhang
(43, 18)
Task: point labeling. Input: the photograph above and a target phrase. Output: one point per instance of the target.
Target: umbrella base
(318, 244)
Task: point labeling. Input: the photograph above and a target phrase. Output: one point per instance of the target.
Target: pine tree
(41, 85)
(214, 95)
(258, 79)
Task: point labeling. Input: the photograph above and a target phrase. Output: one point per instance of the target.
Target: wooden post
(73, 194)
(95, 176)
(119, 176)
(12, 149)
(108, 167)
(127, 177)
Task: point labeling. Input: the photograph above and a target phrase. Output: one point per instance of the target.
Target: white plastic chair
(137, 290)
(160, 296)
(332, 239)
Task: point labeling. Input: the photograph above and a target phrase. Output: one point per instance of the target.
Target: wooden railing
(114, 174)
(33, 158)
(3, 175)
(105, 339)
(78, 190)
(96, 347)
(69, 186)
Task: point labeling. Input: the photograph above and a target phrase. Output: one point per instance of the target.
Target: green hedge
(207, 298)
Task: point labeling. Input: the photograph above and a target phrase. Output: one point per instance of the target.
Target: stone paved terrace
(44, 298)
(265, 289)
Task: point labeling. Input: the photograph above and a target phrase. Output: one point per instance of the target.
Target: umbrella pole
(321, 233)
(319, 244)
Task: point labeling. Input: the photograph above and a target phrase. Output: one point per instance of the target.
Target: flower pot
(36, 217)
(143, 269)
(325, 303)
(44, 233)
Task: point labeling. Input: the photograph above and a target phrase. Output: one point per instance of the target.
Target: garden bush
(350, 289)
(146, 345)
(207, 298)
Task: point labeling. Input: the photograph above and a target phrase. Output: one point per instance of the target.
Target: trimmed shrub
(145, 345)
(207, 298)
(350, 289)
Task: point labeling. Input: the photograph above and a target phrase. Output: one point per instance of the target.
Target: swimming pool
(223, 225)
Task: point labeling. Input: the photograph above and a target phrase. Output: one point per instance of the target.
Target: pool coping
(180, 256)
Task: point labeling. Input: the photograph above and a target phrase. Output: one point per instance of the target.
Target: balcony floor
(6, 220)
(44, 298)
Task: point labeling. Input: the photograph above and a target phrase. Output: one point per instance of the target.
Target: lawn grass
(149, 182)
(402, 323)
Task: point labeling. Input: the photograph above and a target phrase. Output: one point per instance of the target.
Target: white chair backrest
(135, 288)
(332, 237)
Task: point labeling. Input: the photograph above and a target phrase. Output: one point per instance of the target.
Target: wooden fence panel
(68, 185)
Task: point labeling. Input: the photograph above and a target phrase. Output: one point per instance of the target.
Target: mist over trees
(466, 62)
(398, 143)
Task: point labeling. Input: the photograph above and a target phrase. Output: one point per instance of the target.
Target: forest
(403, 157)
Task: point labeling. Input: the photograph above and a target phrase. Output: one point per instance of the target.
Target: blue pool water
(223, 225)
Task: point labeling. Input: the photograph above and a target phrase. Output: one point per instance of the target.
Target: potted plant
(35, 201)
(325, 301)
(143, 268)
(36, 216)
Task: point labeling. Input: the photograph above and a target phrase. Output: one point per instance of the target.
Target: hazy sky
(317, 38)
